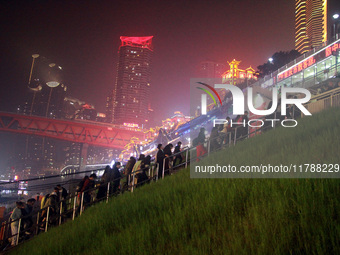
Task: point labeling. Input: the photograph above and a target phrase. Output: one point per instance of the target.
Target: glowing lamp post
(35, 89)
(52, 84)
(335, 25)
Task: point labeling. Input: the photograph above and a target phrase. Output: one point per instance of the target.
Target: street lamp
(335, 25)
(34, 89)
(52, 84)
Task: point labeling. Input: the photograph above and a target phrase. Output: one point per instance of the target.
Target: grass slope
(180, 215)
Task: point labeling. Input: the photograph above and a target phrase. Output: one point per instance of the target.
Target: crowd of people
(89, 189)
(25, 211)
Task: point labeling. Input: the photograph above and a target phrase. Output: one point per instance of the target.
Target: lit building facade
(310, 24)
(235, 75)
(131, 95)
(211, 69)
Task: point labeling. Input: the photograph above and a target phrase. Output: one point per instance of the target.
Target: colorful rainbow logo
(209, 93)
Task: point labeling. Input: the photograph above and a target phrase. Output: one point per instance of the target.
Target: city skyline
(85, 44)
(83, 39)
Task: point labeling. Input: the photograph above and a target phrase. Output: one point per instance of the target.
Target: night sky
(83, 37)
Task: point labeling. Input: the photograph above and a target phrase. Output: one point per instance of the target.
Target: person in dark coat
(62, 196)
(116, 177)
(104, 180)
(200, 149)
(168, 158)
(87, 188)
(159, 159)
(142, 177)
(178, 158)
(214, 139)
(63, 192)
(28, 222)
(128, 169)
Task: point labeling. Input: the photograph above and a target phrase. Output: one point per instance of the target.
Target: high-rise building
(131, 94)
(211, 69)
(313, 23)
(310, 24)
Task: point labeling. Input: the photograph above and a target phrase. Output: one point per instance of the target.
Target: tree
(280, 59)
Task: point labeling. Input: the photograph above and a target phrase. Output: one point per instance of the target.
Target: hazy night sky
(83, 37)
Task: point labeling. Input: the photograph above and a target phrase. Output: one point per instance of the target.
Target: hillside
(179, 215)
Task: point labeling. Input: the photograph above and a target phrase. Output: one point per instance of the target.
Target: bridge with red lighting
(86, 132)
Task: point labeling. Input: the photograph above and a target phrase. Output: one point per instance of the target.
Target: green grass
(180, 215)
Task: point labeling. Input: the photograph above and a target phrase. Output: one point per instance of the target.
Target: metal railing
(324, 101)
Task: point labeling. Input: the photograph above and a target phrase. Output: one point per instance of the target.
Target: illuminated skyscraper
(211, 69)
(310, 24)
(131, 94)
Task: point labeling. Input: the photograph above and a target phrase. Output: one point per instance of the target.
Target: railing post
(235, 134)
(74, 206)
(208, 145)
(3, 229)
(331, 100)
(108, 192)
(47, 218)
(18, 234)
(81, 203)
(186, 157)
(133, 181)
(60, 212)
(38, 216)
(163, 168)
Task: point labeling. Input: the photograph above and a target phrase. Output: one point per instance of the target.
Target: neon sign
(331, 49)
(130, 125)
(316, 57)
(297, 68)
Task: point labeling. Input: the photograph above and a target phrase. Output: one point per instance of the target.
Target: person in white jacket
(15, 216)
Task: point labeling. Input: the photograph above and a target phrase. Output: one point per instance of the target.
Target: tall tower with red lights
(131, 95)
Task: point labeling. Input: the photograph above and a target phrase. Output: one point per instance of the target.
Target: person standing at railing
(128, 169)
(28, 222)
(87, 188)
(215, 139)
(62, 196)
(15, 216)
(226, 129)
(116, 177)
(243, 129)
(200, 140)
(104, 180)
(178, 158)
(52, 202)
(168, 158)
(159, 159)
(142, 177)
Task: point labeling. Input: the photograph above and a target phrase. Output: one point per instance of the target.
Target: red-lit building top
(141, 42)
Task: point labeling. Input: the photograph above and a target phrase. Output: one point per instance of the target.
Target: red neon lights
(331, 49)
(141, 42)
(303, 65)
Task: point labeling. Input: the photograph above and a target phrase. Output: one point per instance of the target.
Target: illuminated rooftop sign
(141, 42)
